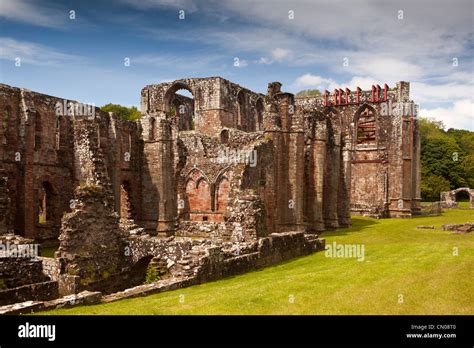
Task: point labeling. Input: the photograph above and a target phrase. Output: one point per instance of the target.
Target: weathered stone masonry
(252, 178)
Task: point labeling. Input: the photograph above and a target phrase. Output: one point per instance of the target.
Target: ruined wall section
(92, 219)
(38, 156)
(215, 101)
(284, 125)
(218, 185)
(382, 176)
(5, 222)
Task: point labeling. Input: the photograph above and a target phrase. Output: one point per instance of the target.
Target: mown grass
(401, 262)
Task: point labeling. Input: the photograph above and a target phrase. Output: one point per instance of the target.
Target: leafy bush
(124, 112)
(152, 275)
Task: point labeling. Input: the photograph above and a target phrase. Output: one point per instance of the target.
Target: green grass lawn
(401, 262)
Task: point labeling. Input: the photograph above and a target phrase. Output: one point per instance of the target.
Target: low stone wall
(201, 229)
(81, 299)
(71, 284)
(271, 250)
(197, 261)
(434, 208)
(18, 271)
(51, 267)
(31, 292)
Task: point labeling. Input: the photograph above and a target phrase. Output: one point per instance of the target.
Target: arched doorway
(46, 207)
(126, 201)
(462, 196)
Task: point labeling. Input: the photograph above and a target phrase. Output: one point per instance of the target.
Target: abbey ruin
(214, 183)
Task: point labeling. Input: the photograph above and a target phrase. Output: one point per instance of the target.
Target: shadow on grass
(357, 226)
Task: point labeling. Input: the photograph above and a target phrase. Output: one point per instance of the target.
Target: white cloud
(448, 92)
(315, 81)
(387, 70)
(187, 5)
(460, 115)
(312, 81)
(265, 60)
(33, 53)
(30, 12)
(280, 54)
(183, 62)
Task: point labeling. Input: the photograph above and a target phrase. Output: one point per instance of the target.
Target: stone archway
(449, 198)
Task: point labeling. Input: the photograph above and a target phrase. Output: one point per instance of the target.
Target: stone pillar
(316, 176)
(290, 178)
(167, 210)
(4, 203)
(332, 177)
(416, 175)
(343, 202)
(30, 217)
(332, 187)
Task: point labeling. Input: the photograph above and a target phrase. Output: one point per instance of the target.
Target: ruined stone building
(222, 163)
(286, 163)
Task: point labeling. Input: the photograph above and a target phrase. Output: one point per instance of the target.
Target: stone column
(30, 217)
(316, 175)
(343, 202)
(167, 210)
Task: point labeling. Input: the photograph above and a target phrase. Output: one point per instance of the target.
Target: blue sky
(303, 44)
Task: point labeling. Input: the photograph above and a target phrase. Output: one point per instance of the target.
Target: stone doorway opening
(126, 201)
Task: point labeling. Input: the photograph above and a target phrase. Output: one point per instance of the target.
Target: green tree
(308, 93)
(124, 112)
(447, 158)
(432, 186)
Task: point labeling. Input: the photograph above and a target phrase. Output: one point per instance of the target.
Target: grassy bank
(405, 271)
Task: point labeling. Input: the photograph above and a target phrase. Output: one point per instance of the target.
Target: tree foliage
(124, 112)
(447, 159)
(308, 93)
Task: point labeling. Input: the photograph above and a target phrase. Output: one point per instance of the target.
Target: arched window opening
(152, 126)
(366, 127)
(222, 195)
(126, 143)
(179, 103)
(198, 195)
(5, 122)
(224, 136)
(259, 119)
(45, 203)
(38, 130)
(58, 132)
(241, 122)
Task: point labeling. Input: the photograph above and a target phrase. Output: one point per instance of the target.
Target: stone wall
(448, 198)
(381, 176)
(252, 178)
(47, 290)
(38, 158)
